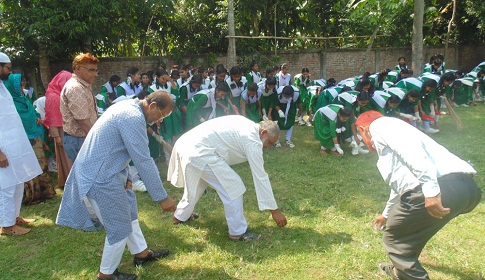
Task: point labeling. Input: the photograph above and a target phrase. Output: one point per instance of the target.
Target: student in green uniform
(268, 97)
(401, 64)
(202, 106)
(237, 83)
(283, 78)
(426, 99)
(253, 76)
(329, 123)
(288, 105)
(251, 103)
(385, 103)
(172, 126)
(131, 87)
(357, 102)
(102, 98)
(145, 81)
(408, 108)
(302, 82)
(330, 96)
(458, 96)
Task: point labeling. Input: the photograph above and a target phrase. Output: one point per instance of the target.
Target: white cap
(4, 58)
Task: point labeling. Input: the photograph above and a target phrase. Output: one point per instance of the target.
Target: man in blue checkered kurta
(98, 190)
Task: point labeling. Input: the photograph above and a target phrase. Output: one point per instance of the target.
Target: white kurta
(219, 143)
(23, 165)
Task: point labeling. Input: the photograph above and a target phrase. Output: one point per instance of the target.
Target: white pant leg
(185, 208)
(10, 203)
(233, 208)
(18, 196)
(136, 241)
(289, 133)
(112, 253)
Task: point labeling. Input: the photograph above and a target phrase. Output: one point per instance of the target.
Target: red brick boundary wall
(338, 64)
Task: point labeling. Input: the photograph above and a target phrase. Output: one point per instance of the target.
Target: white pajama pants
(233, 209)
(289, 133)
(112, 253)
(10, 203)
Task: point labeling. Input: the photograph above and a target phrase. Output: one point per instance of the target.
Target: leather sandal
(119, 276)
(193, 216)
(152, 256)
(247, 236)
(15, 230)
(388, 269)
(22, 221)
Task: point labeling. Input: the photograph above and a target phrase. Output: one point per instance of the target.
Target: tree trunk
(449, 28)
(417, 44)
(369, 48)
(231, 49)
(44, 68)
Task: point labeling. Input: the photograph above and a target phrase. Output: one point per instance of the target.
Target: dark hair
(235, 70)
(114, 78)
(400, 58)
(457, 83)
(222, 87)
(161, 72)
(131, 71)
(112, 96)
(345, 112)
(430, 83)
(305, 70)
(269, 71)
(175, 73)
(394, 99)
(144, 74)
(252, 64)
(440, 56)
(431, 59)
(220, 69)
(284, 65)
(271, 81)
(448, 76)
(196, 79)
(162, 98)
(413, 93)
(363, 96)
(405, 71)
(143, 94)
(287, 90)
(252, 87)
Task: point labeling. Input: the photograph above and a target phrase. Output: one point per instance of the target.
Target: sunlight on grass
(330, 204)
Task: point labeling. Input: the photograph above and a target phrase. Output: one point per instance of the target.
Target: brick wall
(338, 64)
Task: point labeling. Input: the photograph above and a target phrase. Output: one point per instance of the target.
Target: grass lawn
(329, 202)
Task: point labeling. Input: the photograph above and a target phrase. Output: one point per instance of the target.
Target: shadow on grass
(457, 274)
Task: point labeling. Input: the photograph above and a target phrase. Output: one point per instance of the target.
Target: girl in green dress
(329, 122)
(250, 103)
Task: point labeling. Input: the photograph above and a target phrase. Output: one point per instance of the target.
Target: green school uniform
(252, 105)
(325, 124)
(302, 84)
(290, 113)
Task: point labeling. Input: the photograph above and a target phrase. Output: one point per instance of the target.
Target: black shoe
(152, 256)
(119, 276)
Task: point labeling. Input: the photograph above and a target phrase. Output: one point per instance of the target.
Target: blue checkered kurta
(100, 172)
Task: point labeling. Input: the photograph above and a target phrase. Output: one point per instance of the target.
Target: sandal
(193, 216)
(22, 221)
(119, 276)
(388, 269)
(152, 256)
(247, 236)
(15, 230)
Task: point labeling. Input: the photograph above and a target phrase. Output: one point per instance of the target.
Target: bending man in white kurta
(203, 156)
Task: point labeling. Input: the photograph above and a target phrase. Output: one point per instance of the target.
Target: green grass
(329, 202)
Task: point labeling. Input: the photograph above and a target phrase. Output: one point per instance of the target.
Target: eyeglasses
(162, 116)
(8, 67)
(92, 70)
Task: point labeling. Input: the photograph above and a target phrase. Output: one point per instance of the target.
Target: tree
(231, 49)
(417, 44)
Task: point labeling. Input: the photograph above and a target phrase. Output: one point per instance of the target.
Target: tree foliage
(182, 27)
